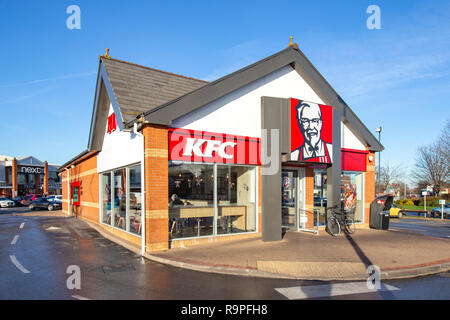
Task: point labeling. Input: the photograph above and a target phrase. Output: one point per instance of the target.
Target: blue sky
(397, 77)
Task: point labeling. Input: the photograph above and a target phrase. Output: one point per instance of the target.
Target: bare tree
(444, 143)
(388, 175)
(432, 167)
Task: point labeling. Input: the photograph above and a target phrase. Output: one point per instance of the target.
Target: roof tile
(139, 89)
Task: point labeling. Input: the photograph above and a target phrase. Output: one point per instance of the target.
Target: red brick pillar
(14, 178)
(309, 197)
(369, 186)
(45, 187)
(157, 187)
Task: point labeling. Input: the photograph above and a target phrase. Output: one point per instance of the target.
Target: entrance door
(293, 216)
(289, 205)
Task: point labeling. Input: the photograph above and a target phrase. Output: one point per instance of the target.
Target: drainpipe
(68, 191)
(143, 213)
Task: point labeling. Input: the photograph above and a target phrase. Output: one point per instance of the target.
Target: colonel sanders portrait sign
(311, 132)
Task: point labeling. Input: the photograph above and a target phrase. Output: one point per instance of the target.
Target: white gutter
(68, 191)
(143, 211)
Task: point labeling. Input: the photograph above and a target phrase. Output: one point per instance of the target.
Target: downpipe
(143, 211)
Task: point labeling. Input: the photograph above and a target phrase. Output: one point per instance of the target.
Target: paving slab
(300, 255)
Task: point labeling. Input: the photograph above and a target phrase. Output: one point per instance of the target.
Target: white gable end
(239, 112)
(349, 140)
(120, 148)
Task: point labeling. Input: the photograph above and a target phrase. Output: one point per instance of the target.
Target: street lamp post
(378, 129)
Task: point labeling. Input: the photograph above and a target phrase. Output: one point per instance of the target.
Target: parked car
(55, 198)
(396, 211)
(20, 201)
(319, 201)
(44, 203)
(6, 202)
(29, 198)
(436, 212)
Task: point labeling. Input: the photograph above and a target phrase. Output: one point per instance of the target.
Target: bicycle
(338, 220)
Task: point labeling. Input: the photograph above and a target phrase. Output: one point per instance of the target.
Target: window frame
(215, 202)
(127, 191)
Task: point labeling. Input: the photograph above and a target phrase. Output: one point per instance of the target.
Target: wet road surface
(47, 246)
(431, 227)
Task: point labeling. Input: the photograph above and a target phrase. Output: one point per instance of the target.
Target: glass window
(191, 200)
(120, 199)
(352, 194)
(236, 199)
(192, 196)
(320, 195)
(135, 200)
(106, 198)
(21, 179)
(53, 176)
(31, 179)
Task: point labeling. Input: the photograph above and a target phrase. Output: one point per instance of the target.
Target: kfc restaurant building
(174, 161)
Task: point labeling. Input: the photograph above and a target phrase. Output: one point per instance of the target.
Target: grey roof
(78, 156)
(179, 106)
(138, 89)
(161, 97)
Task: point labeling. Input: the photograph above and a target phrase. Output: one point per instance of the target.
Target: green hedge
(404, 202)
(431, 201)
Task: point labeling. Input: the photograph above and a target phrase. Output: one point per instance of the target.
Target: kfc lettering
(201, 146)
(194, 145)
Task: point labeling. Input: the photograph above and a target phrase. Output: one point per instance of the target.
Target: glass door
(289, 203)
(303, 218)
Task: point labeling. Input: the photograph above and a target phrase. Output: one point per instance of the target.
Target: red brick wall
(157, 187)
(86, 173)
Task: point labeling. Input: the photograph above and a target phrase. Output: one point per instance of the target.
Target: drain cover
(118, 268)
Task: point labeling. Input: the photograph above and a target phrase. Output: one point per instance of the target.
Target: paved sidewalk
(398, 253)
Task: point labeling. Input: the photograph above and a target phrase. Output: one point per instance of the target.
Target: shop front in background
(212, 184)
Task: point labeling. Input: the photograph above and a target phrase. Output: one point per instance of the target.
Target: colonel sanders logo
(308, 119)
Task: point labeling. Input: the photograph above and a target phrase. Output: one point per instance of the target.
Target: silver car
(5, 203)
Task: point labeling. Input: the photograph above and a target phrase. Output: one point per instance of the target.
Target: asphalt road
(431, 227)
(36, 252)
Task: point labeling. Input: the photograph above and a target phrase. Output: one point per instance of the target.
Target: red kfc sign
(311, 132)
(202, 146)
(112, 123)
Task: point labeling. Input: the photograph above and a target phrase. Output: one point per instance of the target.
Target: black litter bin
(379, 212)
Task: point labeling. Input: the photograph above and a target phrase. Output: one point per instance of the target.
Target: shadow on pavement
(367, 262)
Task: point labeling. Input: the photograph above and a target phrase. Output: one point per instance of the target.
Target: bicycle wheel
(350, 226)
(333, 227)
